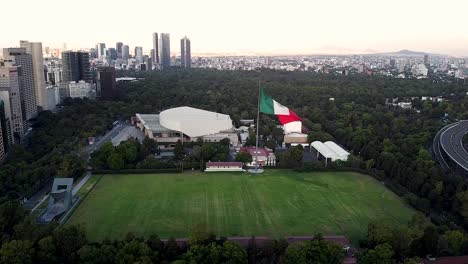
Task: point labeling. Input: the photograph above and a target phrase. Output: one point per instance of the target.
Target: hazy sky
(244, 26)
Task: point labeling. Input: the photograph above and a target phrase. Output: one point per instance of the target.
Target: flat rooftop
(151, 122)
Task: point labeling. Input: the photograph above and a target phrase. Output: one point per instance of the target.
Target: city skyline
(261, 27)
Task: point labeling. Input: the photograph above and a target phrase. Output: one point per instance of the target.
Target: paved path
(40, 202)
(81, 183)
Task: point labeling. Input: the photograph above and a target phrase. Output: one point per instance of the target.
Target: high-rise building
(125, 52)
(118, 47)
(185, 53)
(19, 57)
(106, 86)
(10, 82)
(165, 50)
(426, 59)
(75, 65)
(101, 50)
(5, 120)
(5, 139)
(112, 53)
(35, 49)
(155, 53)
(139, 54)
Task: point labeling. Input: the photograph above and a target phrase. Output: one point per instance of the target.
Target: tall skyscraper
(101, 50)
(139, 54)
(118, 47)
(75, 65)
(10, 82)
(106, 86)
(165, 50)
(19, 57)
(125, 52)
(35, 49)
(185, 53)
(155, 53)
(426, 59)
(112, 53)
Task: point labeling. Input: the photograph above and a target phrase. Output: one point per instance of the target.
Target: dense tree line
(24, 241)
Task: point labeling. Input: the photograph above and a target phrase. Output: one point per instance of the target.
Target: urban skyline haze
(248, 27)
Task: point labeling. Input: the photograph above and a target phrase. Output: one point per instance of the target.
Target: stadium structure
(329, 151)
(186, 124)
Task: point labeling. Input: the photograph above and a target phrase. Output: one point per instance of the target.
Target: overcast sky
(244, 26)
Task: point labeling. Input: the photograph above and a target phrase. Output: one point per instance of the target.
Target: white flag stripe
(295, 126)
(280, 109)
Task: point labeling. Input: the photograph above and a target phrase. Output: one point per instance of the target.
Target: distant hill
(408, 53)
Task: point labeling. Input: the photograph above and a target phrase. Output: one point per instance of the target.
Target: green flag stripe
(266, 103)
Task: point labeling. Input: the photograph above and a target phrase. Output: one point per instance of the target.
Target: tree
(17, 252)
(179, 151)
(225, 141)
(115, 161)
(68, 240)
(148, 147)
(455, 241)
(233, 253)
(378, 233)
(251, 140)
(295, 253)
(243, 157)
(271, 144)
(46, 251)
(11, 213)
(382, 254)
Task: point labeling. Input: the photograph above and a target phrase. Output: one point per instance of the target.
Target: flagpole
(258, 119)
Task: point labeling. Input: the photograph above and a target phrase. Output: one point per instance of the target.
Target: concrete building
(106, 87)
(155, 53)
(112, 53)
(165, 46)
(125, 52)
(183, 123)
(5, 114)
(35, 49)
(53, 97)
(139, 54)
(10, 80)
(185, 53)
(76, 67)
(19, 57)
(118, 48)
(101, 51)
(81, 89)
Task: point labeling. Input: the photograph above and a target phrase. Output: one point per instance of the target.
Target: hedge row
(138, 171)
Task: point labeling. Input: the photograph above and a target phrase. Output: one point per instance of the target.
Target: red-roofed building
(265, 156)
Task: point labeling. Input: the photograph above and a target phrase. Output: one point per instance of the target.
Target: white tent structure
(342, 154)
(330, 150)
(323, 150)
(194, 122)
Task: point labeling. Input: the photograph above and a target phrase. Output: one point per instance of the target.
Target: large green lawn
(276, 203)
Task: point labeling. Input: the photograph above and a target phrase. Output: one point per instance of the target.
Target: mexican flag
(290, 121)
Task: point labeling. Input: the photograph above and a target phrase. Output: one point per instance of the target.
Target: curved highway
(449, 140)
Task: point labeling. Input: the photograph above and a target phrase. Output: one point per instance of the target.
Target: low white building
(224, 166)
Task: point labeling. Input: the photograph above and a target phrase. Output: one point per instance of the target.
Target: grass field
(276, 203)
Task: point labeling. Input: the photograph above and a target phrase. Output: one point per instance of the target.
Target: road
(38, 197)
(450, 139)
